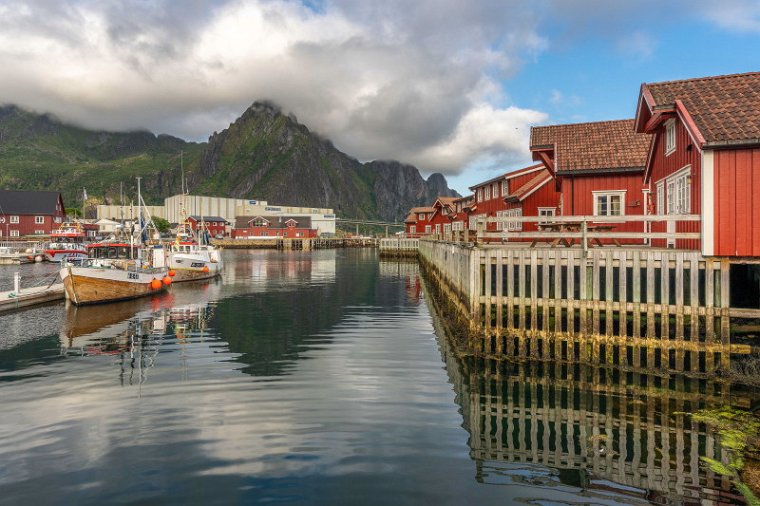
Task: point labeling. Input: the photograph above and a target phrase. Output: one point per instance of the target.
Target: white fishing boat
(192, 258)
(116, 271)
(66, 242)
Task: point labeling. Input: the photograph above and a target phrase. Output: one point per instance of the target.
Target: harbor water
(325, 377)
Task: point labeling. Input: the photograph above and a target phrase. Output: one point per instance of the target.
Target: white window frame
(14, 219)
(678, 195)
(487, 193)
(39, 220)
(14, 233)
(39, 232)
(660, 210)
(428, 229)
(606, 194)
(670, 136)
(447, 228)
(413, 229)
(495, 190)
(457, 226)
(504, 188)
(547, 211)
(480, 194)
(509, 226)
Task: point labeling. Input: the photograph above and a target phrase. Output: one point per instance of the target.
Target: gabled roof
(537, 181)
(412, 216)
(28, 202)
(725, 109)
(591, 147)
(211, 219)
(508, 175)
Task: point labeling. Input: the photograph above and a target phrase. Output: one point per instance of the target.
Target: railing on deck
(582, 229)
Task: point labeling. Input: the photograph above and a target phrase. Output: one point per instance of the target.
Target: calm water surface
(320, 378)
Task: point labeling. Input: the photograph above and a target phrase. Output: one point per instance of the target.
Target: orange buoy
(205, 268)
(167, 280)
(172, 273)
(155, 284)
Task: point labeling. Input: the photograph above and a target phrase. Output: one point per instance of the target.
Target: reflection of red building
(413, 289)
(290, 227)
(216, 225)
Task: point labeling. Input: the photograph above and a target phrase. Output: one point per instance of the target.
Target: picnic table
(572, 226)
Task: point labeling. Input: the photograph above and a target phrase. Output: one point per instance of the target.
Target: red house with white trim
(705, 158)
(30, 212)
(417, 223)
(216, 225)
(258, 227)
(443, 215)
(531, 193)
(598, 168)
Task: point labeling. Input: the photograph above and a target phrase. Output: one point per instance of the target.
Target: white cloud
(389, 80)
(638, 44)
(735, 15)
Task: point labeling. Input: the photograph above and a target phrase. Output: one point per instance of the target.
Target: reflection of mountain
(267, 327)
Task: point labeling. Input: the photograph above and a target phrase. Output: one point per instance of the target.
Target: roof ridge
(587, 123)
(705, 78)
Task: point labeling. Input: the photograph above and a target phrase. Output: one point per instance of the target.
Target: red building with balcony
(598, 168)
(30, 212)
(705, 159)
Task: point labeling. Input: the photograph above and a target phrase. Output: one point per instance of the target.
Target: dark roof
(212, 219)
(602, 145)
(28, 202)
(725, 108)
(275, 222)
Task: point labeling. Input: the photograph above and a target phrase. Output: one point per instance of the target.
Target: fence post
(584, 236)
(479, 225)
(16, 282)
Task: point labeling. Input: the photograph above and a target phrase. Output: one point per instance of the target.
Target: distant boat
(191, 258)
(66, 242)
(116, 271)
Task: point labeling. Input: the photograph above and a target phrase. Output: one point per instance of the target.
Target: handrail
(652, 218)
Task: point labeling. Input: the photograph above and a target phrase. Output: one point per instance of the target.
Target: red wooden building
(463, 206)
(598, 168)
(30, 212)
(417, 222)
(216, 225)
(443, 215)
(705, 158)
(531, 193)
(290, 227)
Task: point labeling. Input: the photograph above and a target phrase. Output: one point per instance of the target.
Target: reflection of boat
(191, 258)
(67, 242)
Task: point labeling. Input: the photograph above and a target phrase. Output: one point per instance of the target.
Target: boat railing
(106, 263)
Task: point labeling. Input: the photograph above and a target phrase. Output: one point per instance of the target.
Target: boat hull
(61, 255)
(194, 266)
(88, 285)
(183, 274)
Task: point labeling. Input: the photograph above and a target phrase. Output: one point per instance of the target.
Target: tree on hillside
(161, 224)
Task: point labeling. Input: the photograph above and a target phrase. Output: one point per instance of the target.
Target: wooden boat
(192, 259)
(114, 272)
(97, 280)
(67, 242)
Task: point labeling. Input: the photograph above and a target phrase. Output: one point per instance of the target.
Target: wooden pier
(632, 307)
(399, 247)
(25, 297)
(303, 244)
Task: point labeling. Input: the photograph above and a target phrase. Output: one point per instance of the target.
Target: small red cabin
(216, 225)
(598, 168)
(417, 222)
(705, 159)
(30, 212)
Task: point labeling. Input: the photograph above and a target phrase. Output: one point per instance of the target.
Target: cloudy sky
(447, 85)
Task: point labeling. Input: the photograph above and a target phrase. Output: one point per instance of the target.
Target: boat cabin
(112, 251)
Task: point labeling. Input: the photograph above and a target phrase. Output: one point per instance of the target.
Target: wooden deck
(26, 297)
(633, 307)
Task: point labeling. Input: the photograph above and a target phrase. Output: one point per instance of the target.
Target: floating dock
(25, 297)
